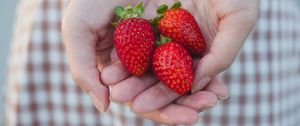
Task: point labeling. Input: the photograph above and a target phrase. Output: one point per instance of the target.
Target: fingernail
(205, 108)
(96, 102)
(201, 84)
(223, 98)
(164, 116)
(208, 107)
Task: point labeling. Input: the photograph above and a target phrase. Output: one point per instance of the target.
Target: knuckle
(224, 65)
(115, 95)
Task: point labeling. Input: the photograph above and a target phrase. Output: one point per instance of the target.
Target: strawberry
(134, 40)
(172, 64)
(180, 25)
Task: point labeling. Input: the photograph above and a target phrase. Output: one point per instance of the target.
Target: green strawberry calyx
(163, 40)
(161, 9)
(128, 12)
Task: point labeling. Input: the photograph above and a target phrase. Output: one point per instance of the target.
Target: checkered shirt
(264, 80)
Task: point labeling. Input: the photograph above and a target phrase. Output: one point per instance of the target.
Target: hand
(88, 40)
(225, 25)
(151, 99)
(184, 110)
(87, 35)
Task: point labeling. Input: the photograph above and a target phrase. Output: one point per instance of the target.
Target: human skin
(94, 65)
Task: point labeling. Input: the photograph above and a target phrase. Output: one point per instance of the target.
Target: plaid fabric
(264, 80)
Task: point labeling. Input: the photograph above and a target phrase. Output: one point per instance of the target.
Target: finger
(218, 88)
(114, 73)
(100, 98)
(175, 114)
(128, 89)
(195, 61)
(172, 114)
(199, 101)
(80, 47)
(114, 56)
(234, 27)
(86, 74)
(154, 98)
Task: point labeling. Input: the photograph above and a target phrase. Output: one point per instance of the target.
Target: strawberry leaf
(154, 21)
(119, 11)
(139, 9)
(128, 12)
(114, 24)
(158, 43)
(176, 5)
(163, 40)
(161, 9)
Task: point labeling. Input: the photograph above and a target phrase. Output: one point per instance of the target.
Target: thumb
(233, 30)
(80, 44)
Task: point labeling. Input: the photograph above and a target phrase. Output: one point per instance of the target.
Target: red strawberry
(180, 25)
(172, 64)
(134, 40)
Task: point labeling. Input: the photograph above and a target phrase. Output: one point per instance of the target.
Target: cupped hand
(87, 36)
(150, 98)
(225, 26)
